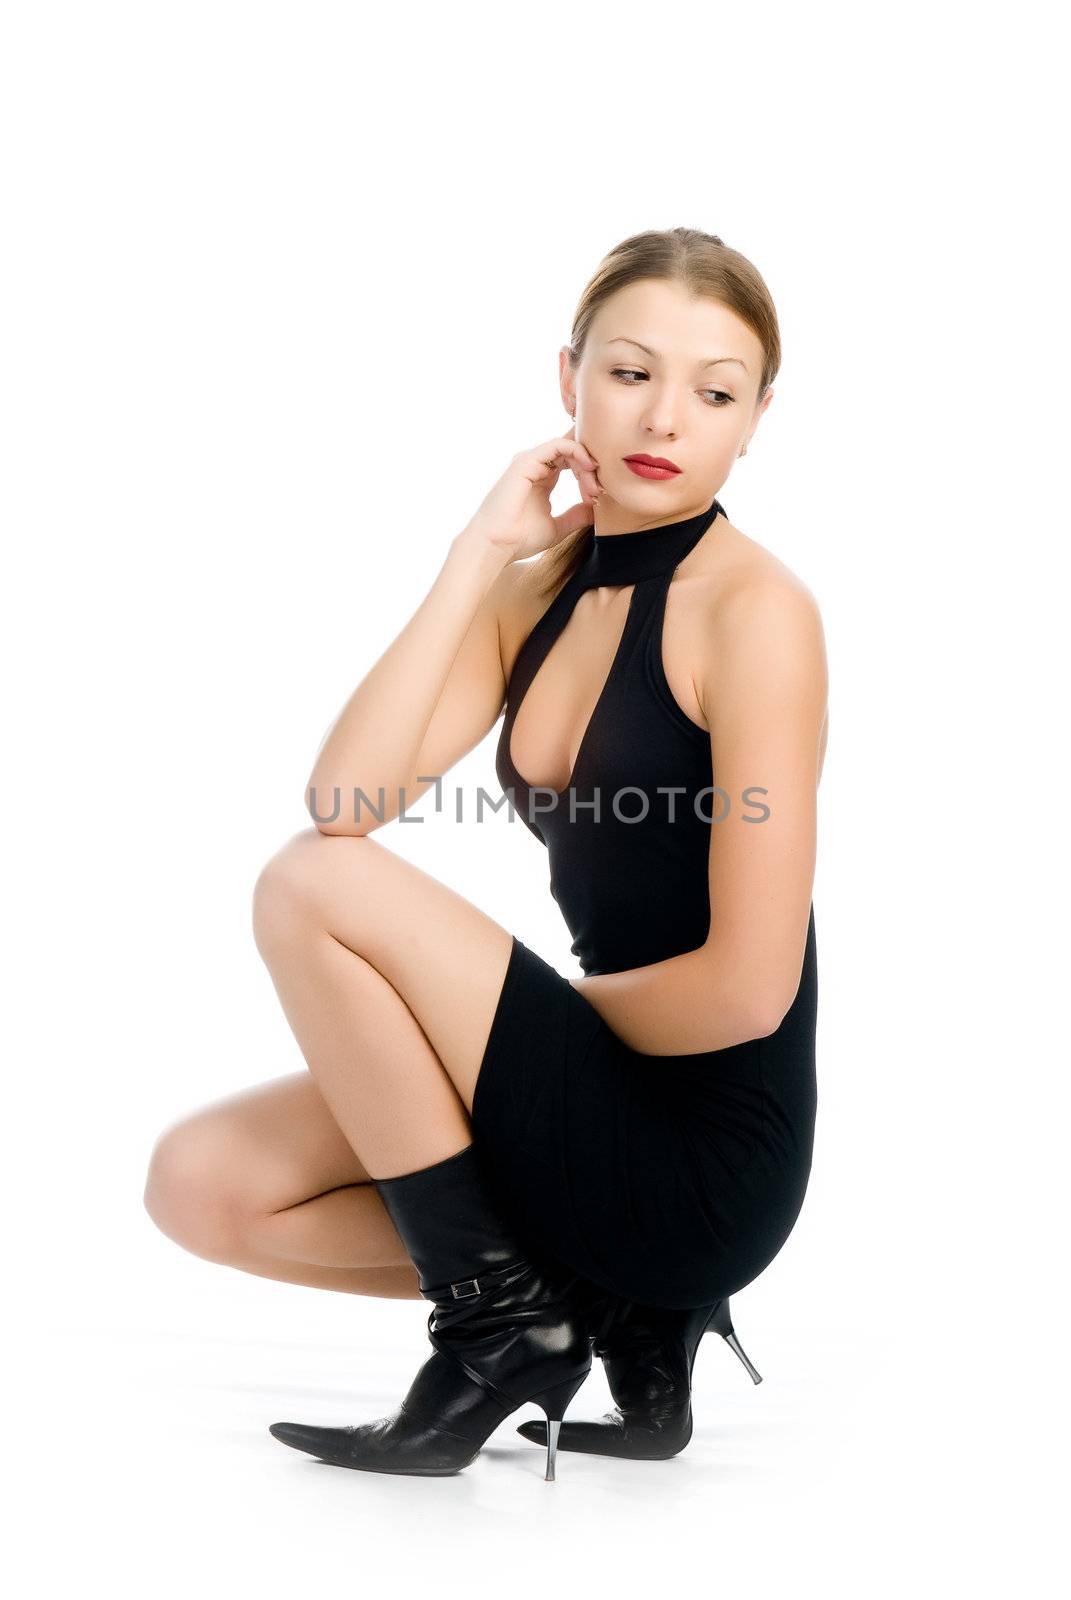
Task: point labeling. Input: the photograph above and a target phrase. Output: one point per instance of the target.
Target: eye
(627, 374)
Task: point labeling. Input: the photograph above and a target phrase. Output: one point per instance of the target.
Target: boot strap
(507, 1400)
(472, 1288)
(485, 1304)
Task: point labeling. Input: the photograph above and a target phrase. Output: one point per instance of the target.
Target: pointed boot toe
(329, 1444)
(399, 1443)
(299, 1435)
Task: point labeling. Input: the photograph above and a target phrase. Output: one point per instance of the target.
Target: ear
(565, 381)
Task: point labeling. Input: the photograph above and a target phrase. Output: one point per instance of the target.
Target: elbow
(328, 815)
(342, 827)
(327, 819)
(322, 802)
(764, 1016)
(754, 992)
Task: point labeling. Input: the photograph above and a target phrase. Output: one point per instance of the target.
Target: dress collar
(624, 558)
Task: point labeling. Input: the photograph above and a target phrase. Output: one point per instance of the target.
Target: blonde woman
(558, 1165)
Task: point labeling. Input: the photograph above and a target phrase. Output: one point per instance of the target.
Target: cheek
(602, 412)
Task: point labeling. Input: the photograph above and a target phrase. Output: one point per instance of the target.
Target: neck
(613, 521)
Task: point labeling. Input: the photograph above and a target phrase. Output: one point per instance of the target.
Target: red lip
(655, 461)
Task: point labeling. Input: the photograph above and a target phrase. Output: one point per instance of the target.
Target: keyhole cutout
(561, 704)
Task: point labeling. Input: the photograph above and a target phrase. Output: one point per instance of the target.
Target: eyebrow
(714, 361)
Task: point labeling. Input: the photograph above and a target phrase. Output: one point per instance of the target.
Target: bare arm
(430, 698)
(439, 688)
(763, 689)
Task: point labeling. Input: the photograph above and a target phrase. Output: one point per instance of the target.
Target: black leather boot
(504, 1331)
(648, 1354)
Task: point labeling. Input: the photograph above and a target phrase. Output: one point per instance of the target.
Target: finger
(586, 475)
(588, 479)
(549, 459)
(591, 485)
(565, 451)
(581, 451)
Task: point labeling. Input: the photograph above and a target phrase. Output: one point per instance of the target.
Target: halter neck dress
(672, 1181)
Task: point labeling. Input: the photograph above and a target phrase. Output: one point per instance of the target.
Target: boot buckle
(465, 1289)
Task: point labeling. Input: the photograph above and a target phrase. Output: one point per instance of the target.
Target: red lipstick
(652, 466)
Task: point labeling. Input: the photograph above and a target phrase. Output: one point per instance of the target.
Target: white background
(284, 290)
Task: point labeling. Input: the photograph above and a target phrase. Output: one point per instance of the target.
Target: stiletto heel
(555, 1403)
(648, 1354)
(721, 1322)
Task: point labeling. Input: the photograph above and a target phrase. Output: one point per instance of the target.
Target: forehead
(677, 324)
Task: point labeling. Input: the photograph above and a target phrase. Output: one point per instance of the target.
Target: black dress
(669, 1180)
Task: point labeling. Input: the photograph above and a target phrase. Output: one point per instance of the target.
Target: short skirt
(669, 1180)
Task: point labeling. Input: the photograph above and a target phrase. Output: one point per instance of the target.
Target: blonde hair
(704, 265)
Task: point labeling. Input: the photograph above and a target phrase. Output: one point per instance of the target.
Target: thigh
(444, 956)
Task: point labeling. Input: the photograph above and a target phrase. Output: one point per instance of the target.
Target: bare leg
(373, 1065)
(265, 1181)
(386, 1283)
(389, 981)
(268, 1180)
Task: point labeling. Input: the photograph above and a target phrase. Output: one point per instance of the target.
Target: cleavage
(562, 701)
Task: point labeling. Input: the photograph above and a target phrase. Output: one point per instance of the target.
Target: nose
(661, 416)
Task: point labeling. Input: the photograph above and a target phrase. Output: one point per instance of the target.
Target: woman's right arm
(443, 668)
(439, 687)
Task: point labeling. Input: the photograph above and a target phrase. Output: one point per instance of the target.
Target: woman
(565, 1163)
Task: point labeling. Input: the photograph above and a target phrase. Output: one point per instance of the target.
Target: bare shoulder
(749, 616)
(738, 589)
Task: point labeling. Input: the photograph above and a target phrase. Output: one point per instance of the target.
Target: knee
(284, 894)
(188, 1193)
